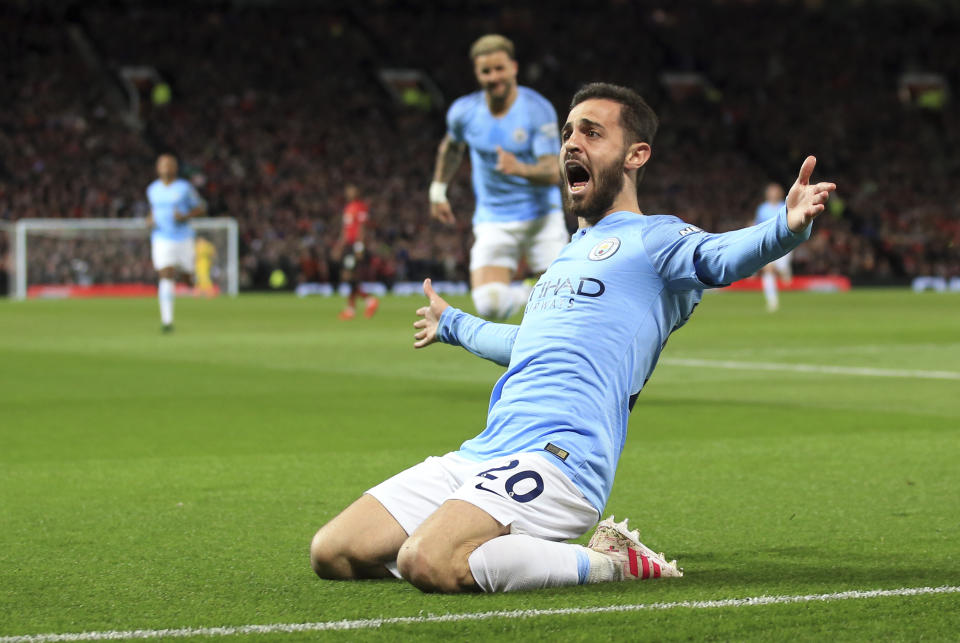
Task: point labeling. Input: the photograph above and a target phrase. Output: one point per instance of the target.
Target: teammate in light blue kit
(493, 516)
(512, 135)
(173, 202)
(767, 210)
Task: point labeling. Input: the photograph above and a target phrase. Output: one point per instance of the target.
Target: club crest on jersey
(519, 135)
(604, 250)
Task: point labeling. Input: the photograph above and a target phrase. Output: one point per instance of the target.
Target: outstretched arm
(722, 259)
(444, 323)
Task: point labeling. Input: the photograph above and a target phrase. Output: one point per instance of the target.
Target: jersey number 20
(513, 481)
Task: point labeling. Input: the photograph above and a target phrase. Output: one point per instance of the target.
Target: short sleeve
(455, 120)
(546, 137)
(193, 197)
(671, 245)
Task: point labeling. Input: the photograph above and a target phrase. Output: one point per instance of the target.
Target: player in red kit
(356, 216)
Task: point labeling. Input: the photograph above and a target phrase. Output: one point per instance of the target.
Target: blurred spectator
(273, 110)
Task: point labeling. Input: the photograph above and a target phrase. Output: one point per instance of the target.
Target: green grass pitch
(151, 481)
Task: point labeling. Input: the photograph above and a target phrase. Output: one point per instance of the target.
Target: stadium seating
(273, 109)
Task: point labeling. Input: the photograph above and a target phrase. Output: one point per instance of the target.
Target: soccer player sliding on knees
(495, 514)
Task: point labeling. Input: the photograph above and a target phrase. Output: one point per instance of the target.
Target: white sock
(494, 300)
(769, 281)
(602, 568)
(519, 562)
(521, 293)
(165, 295)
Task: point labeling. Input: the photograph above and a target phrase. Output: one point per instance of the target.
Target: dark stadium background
(274, 105)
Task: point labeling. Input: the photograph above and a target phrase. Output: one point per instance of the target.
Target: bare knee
(328, 558)
(430, 572)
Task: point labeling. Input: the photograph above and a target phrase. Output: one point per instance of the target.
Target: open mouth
(577, 176)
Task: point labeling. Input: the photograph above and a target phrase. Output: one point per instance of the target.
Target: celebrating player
(512, 135)
(493, 515)
(173, 202)
(356, 216)
(768, 274)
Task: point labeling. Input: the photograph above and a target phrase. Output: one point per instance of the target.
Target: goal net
(111, 257)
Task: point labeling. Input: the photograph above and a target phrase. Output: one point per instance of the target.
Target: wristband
(438, 192)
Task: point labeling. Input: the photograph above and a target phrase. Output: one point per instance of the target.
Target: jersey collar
(611, 219)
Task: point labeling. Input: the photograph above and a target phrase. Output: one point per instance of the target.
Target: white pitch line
(373, 623)
(813, 368)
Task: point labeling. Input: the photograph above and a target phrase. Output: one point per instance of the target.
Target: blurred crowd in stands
(271, 110)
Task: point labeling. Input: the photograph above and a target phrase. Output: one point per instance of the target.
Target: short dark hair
(637, 118)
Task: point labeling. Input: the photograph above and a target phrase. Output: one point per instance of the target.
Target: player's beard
(500, 98)
(607, 184)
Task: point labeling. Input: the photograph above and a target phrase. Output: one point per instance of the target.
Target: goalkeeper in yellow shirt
(205, 252)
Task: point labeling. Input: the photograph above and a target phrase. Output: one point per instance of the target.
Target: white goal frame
(6, 228)
(18, 281)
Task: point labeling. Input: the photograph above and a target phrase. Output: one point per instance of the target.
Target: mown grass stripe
(862, 371)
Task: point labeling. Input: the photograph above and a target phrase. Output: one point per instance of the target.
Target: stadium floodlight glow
(56, 257)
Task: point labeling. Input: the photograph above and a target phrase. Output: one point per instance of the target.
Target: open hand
(427, 327)
(805, 201)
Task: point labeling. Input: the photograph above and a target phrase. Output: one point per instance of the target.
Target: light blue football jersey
(529, 131)
(592, 333)
(166, 200)
(767, 211)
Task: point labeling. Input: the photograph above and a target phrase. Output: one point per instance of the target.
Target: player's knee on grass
(432, 570)
(326, 559)
(334, 558)
(493, 300)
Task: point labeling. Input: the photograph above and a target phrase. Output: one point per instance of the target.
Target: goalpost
(6, 257)
(108, 257)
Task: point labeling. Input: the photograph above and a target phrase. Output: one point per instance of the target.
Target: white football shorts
(783, 264)
(525, 491)
(172, 254)
(502, 244)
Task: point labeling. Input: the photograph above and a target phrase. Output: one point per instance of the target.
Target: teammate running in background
(512, 135)
(493, 516)
(356, 216)
(768, 274)
(173, 202)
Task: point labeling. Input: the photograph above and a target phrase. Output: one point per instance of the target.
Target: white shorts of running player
(525, 491)
(172, 254)
(783, 264)
(502, 244)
